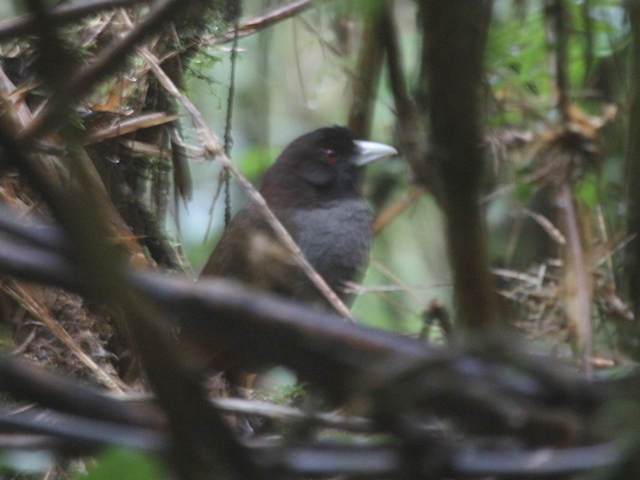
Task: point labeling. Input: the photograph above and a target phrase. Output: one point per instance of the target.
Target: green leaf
(255, 160)
(586, 189)
(120, 464)
(524, 191)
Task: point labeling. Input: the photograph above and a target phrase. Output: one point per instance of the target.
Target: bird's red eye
(329, 155)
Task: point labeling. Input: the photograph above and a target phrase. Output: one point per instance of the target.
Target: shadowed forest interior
(466, 305)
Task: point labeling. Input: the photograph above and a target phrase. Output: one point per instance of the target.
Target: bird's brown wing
(249, 251)
(229, 258)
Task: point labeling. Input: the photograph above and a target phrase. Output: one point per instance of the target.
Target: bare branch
(62, 14)
(260, 23)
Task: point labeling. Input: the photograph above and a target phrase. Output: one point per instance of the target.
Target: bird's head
(322, 165)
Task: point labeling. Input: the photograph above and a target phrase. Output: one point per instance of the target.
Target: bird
(314, 189)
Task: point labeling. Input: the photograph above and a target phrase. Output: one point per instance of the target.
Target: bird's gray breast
(336, 238)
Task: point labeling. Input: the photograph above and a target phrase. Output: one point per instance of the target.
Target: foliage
(120, 464)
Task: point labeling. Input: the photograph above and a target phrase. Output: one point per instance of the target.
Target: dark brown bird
(314, 189)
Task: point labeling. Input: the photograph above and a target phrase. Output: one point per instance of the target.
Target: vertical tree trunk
(456, 33)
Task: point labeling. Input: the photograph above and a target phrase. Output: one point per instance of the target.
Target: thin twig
(578, 296)
(270, 410)
(605, 240)
(228, 139)
(411, 133)
(259, 23)
(556, 16)
(366, 78)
